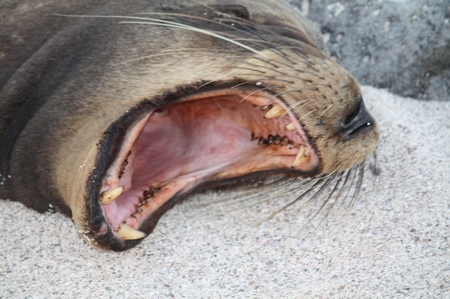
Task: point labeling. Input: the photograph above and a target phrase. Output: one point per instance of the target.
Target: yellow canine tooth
(302, 156)
(109, 196)
(126, 232)
(276, 111)
(290, 126)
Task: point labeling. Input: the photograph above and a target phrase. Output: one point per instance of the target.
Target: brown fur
(66, 79)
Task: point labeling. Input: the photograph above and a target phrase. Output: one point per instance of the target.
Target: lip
(133, 212)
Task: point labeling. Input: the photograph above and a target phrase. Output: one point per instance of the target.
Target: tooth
(126, 232)
(290, 126)
(276, 111)
(147, 194)
(302, 156)
(108, 197)
(306, 153)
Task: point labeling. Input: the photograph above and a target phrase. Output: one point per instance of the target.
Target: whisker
(321, 114)
(240, 84)
(265, 67)
(358, 183)
(291, 63)
(249, 69)
(205, 84)
(314, 196)
(348, 174)
(223, 22)
(290, 203)
(301, 103)
(267, 61)
(266, 78)
(291, 91)
(167, 53)
(249, 190)
(303, 116)
(350, 178)
(359, 173)
(297, 78)
(164, 23)
(278, 194)
(252, 93)
(327, 202)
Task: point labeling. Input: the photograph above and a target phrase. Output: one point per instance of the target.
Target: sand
(391, 242)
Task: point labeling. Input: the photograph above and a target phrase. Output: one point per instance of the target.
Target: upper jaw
(110, 192)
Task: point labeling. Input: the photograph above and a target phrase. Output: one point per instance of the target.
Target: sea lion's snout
(113, 118)
(208, 138)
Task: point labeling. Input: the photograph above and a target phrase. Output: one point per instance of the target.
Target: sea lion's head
(198, 97)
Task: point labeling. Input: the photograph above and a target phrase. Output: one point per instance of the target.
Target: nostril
(357, 121)
(353, 115)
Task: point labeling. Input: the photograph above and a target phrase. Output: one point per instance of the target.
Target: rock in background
(399, 45)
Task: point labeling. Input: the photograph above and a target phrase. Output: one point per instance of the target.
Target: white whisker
(165, 23)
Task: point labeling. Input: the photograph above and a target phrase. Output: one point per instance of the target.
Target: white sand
(394, 243)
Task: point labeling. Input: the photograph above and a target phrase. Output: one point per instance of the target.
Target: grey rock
(399, 45)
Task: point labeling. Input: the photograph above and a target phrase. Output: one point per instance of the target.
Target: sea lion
(112, 111)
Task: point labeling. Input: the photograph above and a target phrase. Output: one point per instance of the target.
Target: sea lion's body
(76, 79)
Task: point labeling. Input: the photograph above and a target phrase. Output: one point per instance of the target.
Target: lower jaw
(99, 232)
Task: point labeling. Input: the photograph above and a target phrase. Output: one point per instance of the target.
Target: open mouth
(211, 136)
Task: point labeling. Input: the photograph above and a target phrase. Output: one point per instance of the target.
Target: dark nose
(358, 122)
